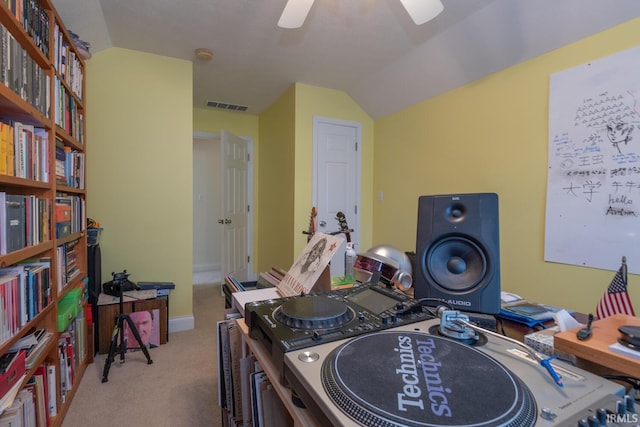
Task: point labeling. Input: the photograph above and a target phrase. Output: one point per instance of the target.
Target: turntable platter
(313, 312)
(393, 378)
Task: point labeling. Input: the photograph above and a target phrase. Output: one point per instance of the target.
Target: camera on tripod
(119, 283)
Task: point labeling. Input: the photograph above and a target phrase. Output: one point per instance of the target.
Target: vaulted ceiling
(370, 49)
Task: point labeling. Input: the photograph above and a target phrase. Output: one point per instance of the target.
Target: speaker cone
(456, 263)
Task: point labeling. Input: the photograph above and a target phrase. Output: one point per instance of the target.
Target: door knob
(227, 221)
(323, 223)
(220, 221)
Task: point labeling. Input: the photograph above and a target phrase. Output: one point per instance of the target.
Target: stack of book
(33, 345)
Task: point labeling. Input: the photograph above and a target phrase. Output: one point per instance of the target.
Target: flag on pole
(616, 299)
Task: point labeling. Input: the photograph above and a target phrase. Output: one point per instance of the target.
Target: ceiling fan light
(422, 11)
(294, 13)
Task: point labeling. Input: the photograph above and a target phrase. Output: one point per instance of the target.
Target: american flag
(616, 299)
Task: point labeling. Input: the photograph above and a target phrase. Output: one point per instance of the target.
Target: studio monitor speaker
(457, 251)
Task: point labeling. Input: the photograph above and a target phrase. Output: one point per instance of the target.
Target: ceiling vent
(226, 106)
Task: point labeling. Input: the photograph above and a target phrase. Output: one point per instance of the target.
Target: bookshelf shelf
(43, 242)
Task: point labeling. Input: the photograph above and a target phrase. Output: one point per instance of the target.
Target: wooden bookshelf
(42, 103)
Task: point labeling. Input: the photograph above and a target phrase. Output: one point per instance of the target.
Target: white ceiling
(370, 49)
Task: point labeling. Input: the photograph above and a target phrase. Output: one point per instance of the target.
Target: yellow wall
(491, 136)
(139, 167)
(210, 120)
(276, 184)
(286, 169)
(315, 101)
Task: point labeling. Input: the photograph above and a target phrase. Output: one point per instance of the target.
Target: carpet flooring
(180, 388)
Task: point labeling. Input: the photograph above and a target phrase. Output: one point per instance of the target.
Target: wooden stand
(323, 284)
(593, 354)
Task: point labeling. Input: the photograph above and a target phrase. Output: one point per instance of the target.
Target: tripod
(118, 332)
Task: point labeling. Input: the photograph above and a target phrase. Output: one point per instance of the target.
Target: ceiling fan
(295, 11)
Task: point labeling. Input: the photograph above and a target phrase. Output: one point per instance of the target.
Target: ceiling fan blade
(422, 11)
(294, 13)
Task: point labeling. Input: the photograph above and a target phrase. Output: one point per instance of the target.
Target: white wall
(207, 191)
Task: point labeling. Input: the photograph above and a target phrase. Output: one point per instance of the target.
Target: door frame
(218, 136)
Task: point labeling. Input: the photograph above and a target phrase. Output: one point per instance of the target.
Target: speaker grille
(456, 263)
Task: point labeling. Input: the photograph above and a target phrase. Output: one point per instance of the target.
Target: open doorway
(215, 228)
(207, 194)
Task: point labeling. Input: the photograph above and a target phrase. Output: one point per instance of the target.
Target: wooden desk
(301, 417)
(594, 354)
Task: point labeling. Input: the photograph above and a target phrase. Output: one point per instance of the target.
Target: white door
(235, 206)
(336, 179)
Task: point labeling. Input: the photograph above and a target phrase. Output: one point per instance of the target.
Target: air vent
(226, 106)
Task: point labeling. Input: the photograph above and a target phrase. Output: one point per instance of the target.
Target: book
(15, 222)
(257, 380)
(39, 378)
(247, 367)
(51, 387)
(235, 350)
(225, 394)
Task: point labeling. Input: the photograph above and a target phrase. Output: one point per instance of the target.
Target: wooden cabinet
(108, 312)
(42, 194)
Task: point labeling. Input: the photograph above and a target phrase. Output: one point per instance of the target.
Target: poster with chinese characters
(593, 181)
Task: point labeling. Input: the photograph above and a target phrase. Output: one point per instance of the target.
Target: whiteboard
(593, 181)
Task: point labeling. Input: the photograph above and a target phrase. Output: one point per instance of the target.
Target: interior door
(337, 179)
(235, 206)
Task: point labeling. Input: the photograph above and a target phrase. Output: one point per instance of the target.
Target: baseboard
(206, 274)
(206, 267)
(182, 323)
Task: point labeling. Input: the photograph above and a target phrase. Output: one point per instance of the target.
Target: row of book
(69, 357)
(68, 114)
(266, 279)
(70, 214)
(33, 404)
(265, 407)
(245, 393)
(229, 355)
(24, 151)
(29, 401)
(24, 221)
(25, 290)
(68, 267)
(30, 406)
(22, 74)
(67, 63)
(34, 19)
(69, 166)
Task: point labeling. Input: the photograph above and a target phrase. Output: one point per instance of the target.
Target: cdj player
(293, 323)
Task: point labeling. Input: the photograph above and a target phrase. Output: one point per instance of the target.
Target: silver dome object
(403, 277)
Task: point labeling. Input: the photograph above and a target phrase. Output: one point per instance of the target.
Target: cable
(433, 310)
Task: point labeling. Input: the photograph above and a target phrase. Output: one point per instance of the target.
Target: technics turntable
(292, 323)
(415, 377)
